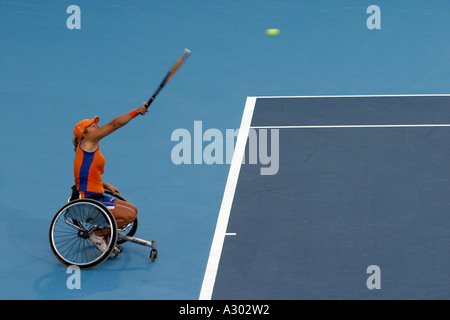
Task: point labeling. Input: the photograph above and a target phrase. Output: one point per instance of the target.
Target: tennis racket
(170, 74)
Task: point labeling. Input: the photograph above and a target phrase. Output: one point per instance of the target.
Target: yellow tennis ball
(272, 32)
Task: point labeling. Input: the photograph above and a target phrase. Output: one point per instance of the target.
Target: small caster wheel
(153, 254)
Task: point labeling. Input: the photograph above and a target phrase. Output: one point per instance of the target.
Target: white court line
(355, 126)
(227, 200)
(230, 188)
(359, 96)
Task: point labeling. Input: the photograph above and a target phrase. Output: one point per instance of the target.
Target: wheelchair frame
(76, 221)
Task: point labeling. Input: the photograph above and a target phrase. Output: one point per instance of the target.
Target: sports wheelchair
(77, 220)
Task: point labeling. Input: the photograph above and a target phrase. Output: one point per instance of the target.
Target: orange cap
(82, 125)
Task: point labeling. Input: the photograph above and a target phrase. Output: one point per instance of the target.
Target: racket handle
(149, 102)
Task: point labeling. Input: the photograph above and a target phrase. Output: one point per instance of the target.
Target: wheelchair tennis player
(89, 165)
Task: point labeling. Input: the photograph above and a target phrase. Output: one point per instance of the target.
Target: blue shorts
(106, 199)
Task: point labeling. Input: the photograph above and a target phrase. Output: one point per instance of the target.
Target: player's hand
(142, 109)
(110, 188)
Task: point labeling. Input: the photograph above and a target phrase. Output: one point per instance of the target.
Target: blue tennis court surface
(339, 199)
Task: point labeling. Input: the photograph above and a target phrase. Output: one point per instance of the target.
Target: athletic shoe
(101, 243)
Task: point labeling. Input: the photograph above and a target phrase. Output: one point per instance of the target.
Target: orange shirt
(88, 170)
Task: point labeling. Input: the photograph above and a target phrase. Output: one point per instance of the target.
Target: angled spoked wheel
(72, 228)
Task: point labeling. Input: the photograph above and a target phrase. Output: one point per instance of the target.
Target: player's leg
(123, 211)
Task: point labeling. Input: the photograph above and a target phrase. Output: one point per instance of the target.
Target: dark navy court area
(346, 197)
